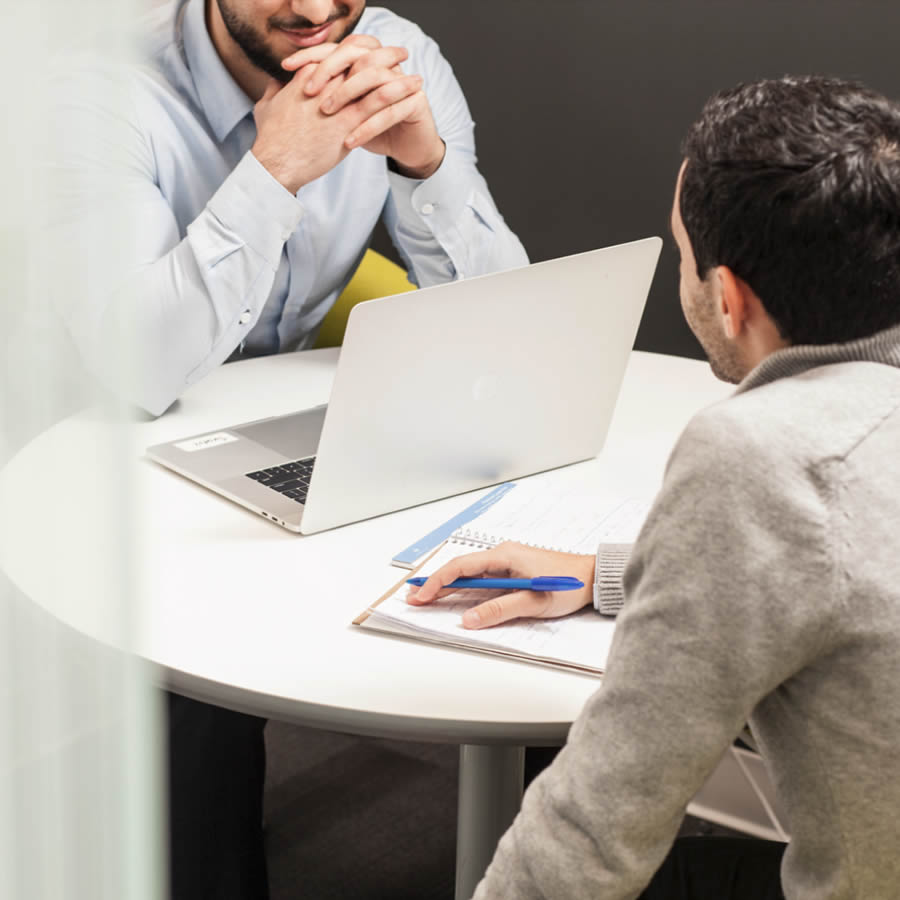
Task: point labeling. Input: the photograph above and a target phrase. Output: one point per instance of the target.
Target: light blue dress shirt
(221, 260)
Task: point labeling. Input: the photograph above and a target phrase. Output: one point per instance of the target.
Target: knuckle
(362, 40)
(493, 609)
(385, 94)
(328, 70)
(370, 78)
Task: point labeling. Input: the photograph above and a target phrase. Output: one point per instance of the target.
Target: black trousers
(217, 769)
(719, 868)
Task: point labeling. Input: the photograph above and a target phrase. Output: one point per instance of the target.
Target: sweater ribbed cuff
(611, 561)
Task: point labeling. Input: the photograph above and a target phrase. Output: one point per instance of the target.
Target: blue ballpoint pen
(543, 583)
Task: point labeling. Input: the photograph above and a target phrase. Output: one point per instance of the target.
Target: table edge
(361, 722)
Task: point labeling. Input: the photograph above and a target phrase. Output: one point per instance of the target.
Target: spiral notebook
(572, 522)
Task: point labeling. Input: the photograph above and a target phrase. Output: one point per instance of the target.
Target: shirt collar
(224, 102)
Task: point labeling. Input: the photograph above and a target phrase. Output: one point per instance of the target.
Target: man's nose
(317, 11)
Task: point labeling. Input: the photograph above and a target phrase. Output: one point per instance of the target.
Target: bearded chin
(263, 59)
(252, 44)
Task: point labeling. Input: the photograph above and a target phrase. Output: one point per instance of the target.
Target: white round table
(236, 611)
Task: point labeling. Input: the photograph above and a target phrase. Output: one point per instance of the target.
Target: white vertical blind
(80, 792)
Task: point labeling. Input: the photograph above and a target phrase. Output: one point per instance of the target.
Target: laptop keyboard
(290, 479)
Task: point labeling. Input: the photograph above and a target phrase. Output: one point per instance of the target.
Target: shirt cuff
(256, 207)
(437, 201)
(609, 595)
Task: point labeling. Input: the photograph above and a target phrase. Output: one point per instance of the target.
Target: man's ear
(735, 301)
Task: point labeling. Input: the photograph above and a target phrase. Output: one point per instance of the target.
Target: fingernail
(471, 618)
(350, 142)
(327, 105)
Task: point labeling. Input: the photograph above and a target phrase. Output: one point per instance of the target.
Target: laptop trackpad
(295, 436)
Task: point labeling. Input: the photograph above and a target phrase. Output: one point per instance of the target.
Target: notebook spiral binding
(482, 540)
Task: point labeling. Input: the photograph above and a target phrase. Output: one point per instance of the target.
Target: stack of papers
(572, 522)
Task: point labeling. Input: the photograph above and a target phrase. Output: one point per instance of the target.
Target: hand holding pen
(511, 562)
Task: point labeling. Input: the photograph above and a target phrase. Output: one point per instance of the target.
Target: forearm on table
(447, 227)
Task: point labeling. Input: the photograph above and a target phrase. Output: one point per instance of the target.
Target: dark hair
(794, 184)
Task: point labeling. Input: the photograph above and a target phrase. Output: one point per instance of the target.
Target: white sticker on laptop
(205, 442)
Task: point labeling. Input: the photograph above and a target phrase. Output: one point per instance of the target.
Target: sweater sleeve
(704, 635)
(610, 565)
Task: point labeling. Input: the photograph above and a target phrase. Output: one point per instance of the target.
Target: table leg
(490, 793)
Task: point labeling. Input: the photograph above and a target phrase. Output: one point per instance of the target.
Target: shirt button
(427, 209)
(245, 317)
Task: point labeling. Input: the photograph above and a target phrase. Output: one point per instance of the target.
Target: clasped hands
(512, 560)
(346, 95)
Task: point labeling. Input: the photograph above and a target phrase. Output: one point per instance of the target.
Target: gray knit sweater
(764, 587)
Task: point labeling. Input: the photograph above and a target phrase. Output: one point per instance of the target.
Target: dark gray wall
(580, 105)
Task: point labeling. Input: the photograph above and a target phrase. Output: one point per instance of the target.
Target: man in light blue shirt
(246, 158)
(253, 205)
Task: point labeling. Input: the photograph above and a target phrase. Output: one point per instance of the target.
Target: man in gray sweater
(765, 585)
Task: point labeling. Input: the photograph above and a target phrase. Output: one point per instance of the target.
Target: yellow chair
(376, 276)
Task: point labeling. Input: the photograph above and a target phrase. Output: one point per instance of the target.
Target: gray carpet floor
(351, 817)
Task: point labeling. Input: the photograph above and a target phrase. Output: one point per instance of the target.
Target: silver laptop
(441, 391)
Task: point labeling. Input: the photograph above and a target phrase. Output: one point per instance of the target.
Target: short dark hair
(794, 184)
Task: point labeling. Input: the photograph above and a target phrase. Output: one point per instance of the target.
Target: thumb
(273, 86)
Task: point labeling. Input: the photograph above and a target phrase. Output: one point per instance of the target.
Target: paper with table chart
(571, 521)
